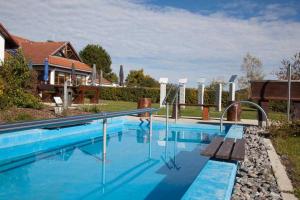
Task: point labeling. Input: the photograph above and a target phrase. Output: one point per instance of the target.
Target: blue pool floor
(138, 166)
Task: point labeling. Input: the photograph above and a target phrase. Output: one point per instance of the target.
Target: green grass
(290, 146)
(191, 111)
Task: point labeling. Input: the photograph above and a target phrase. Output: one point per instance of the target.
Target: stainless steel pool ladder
(174, 99)
(166, 103)
(247, 102)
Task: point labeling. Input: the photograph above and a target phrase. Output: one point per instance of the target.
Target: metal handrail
(168, 94)
(249, 102)
(73, 120)
(176, 94)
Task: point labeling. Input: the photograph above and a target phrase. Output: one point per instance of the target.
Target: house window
(61, 77)
(80, 80)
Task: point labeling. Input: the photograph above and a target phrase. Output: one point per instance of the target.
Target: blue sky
(240, 9)
(174, 39)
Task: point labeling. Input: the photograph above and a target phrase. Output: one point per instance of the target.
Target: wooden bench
(227, 149)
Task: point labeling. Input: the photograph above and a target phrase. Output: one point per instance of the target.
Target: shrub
(133, 94)
(19, 83)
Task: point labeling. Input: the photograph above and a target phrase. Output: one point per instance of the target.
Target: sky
(167, 38)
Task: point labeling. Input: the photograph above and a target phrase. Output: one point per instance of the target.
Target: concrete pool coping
(198, 120)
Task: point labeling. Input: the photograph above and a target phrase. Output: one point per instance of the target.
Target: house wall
(2, 48)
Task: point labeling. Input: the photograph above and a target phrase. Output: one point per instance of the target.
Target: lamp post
(232, 88)
(201, 88)
(289, 74)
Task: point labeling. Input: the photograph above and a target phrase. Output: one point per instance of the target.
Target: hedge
(133, 94)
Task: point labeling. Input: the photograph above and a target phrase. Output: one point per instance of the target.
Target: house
(59, 58)
(63, 61)
(6, 42)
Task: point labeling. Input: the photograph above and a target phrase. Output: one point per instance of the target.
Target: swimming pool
(67, 163)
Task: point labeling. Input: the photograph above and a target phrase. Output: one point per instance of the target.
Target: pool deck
(198, 120)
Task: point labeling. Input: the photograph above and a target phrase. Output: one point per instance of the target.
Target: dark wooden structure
(84, 91)
(205, 111)
(78, 93)
(266, 90)
(234, 112)
(225, 149)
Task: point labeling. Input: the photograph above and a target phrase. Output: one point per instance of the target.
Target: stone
(255, 179)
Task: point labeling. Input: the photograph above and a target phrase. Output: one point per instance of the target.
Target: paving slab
(288, 196)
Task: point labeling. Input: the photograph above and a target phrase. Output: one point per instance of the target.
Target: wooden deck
(227, 149)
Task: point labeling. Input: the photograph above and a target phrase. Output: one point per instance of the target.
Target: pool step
(228, 149)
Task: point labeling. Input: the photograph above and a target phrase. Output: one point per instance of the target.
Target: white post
(2, 49)
(231, 91)
(201, 88)
(182, 83)
(163, 90)
(219, 97)
(52, 77)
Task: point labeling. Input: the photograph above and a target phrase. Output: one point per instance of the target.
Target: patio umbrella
(46, 70)
(94, 74)
(30, 65)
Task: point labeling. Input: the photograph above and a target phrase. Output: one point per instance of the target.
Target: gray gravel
(255, 179)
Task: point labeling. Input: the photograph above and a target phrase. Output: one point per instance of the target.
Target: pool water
(138, 165)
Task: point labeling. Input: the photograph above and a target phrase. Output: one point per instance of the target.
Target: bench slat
(238, 152)
(225, 150)
(213, 147)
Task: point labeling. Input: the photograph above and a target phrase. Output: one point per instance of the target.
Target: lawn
(289, 148)
(248, 113)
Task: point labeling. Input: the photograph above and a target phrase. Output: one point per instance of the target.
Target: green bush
(278, 106)
(18, 83)
(133, 95)
(129, 94)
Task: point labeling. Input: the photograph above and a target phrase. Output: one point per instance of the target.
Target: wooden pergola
(266, 90)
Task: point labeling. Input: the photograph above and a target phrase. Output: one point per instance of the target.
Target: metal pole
(167, 130)
(175, 143)
(150, 136)
(167, 118)
(66, 95)
(176, 109)
(104, 140)
(103, 174)
(289, 74)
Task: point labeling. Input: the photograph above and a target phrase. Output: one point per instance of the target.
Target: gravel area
(255, 179)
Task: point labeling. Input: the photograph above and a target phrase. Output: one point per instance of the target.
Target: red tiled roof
(37, 52)
(20, 40)
(104, 81)
(10, 43)
(67, 63)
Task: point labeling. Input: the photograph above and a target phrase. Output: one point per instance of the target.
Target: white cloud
(165, 42)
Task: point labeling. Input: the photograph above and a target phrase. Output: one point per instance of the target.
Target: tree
(137, 78)
(294, 62)
(95, 54)
(253, 69)
(112, 77)
(121, 76)
(18, 83)
(214, 83)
